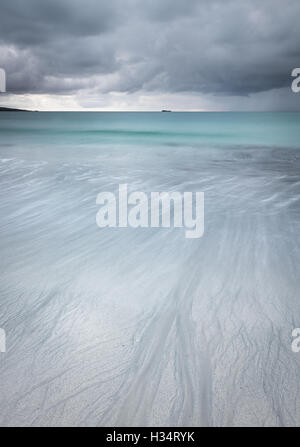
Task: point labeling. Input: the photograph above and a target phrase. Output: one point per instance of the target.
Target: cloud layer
(176, 47)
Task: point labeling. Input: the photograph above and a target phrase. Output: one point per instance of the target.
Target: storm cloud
(210, 47)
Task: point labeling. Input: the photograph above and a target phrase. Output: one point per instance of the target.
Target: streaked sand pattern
(142, 327)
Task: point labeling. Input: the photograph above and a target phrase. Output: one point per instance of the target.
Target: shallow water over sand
(143, 326)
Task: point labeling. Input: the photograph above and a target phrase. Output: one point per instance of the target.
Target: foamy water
(144, 327)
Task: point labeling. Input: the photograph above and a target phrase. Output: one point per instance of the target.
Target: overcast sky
(150, 54)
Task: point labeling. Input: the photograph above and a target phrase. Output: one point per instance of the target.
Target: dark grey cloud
(203, 46)
(35, 22)
(168, 10)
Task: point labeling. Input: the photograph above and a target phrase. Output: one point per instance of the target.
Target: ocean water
(138, 327)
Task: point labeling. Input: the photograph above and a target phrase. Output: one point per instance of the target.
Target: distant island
(166, 110)
(8, 109)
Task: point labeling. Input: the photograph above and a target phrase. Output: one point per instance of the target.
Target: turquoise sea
(180, 129)
(138, 327)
